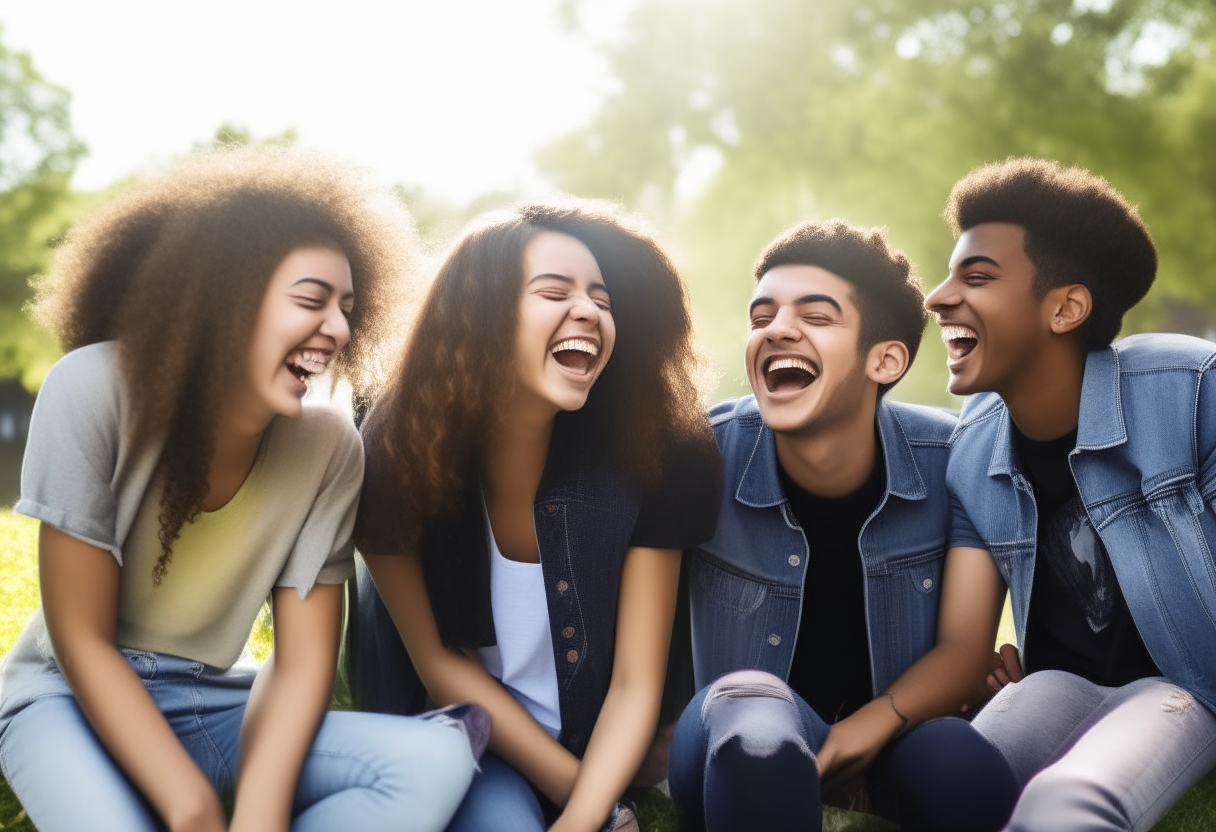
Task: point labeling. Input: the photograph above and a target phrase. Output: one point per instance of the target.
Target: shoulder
(734, 418)
(921, 424)
(327, 422)
(1163, 351)
(979, 411)
(322, 437)
(89, 371)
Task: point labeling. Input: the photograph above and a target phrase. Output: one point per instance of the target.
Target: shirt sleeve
(681, 510)
(71, 453)
(324, 553)
(962, 531)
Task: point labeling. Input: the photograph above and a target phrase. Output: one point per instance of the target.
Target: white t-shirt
(523, 658)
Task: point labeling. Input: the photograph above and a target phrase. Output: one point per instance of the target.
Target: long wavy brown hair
(425, 432)
(175, 270)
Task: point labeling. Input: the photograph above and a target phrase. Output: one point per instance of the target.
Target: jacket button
(774, 639)
(795, 560)
(550, 508)
(927, 583)
(562, 586)
(571, 656)
(568, 632)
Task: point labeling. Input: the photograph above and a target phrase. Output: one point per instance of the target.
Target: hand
(1006, 668)
(855, 741)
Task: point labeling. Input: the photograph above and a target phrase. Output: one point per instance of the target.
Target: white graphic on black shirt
(1079, 561)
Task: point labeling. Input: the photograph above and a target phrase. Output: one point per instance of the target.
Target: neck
(1046, 402)
(833, 462)
(519, 443)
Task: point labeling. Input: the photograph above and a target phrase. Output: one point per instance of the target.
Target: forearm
(940, 682)
(285, 708)
(516, 737)
(622, 734)
(137, 736)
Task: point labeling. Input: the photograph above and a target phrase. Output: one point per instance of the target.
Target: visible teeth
(580, 344)
(793, 363)
(951, 332)
(310, 361)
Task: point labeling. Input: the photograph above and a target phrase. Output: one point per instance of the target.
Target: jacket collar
(760, 487)
(1100, 424)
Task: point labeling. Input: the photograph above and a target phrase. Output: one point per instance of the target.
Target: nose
(781, 327)
(335, 326)
(944, 297)
(585, 309)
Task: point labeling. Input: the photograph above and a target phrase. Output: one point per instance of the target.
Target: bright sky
(453, 95)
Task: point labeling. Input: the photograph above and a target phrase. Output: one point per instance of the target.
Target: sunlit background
(721, 120)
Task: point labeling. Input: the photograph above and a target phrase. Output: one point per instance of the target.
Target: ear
(1069, 307)
(887, 361)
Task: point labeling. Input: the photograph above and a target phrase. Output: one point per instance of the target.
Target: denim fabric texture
(363, 771)
(746, 583)
(1145, 469)
(586, 517)
(743, 757)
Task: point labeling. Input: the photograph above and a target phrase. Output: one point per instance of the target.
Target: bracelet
(891, 698)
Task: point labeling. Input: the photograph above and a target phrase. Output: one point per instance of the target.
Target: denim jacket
(1145, 469)
(746, 583)
(586, 516)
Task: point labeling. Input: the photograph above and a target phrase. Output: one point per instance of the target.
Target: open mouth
(785, 373)
(960, 340)
(304, 364)
(577, 354)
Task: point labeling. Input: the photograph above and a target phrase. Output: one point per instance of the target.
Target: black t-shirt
(1078, 620)
(831, 668)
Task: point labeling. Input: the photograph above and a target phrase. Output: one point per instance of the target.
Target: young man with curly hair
(830, 613)
(1087, 470)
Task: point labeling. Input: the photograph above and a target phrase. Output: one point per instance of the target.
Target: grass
(1196, 812)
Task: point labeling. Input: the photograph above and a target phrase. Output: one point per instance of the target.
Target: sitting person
(534, 470)
(831, 611)
(1088, 471)
(180, 481)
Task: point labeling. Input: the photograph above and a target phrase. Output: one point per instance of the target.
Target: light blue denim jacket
(746, 583)
(1145, 469)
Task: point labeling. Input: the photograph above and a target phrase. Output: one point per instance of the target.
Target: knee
(757, 709)
(430, 772)
(1055, 799)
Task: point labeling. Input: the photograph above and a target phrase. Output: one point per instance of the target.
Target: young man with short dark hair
(827, 616)
(1088, 472)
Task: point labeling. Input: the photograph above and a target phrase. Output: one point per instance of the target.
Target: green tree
(38, 153)
(871, 109)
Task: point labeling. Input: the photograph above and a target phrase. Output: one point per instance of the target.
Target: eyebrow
(324, 285)
(802, 301)
(977, 258)
(565, 279)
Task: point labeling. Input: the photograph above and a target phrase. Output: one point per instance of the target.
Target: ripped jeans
(743, 758)
(1089, 757)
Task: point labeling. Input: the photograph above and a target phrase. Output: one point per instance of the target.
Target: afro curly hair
(1079, 229)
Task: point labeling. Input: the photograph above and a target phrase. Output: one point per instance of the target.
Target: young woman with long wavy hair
(534, 468)
(180, 481)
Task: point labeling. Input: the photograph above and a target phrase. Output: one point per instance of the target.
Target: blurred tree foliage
(37, 156)
(732, 120)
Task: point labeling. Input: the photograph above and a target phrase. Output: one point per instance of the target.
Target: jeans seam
(197, 700)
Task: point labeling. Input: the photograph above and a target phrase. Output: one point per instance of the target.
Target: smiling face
(301, 326)
(565, 333)
(994, 327)
(802, 354)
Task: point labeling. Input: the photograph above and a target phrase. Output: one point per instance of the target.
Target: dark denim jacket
(1145, 469)
(586, 516)
(746, 583)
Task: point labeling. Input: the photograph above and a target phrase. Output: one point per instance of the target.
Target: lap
(500, 799)
(50, 744)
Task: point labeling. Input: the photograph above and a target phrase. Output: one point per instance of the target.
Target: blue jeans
(743, 757)
(500, 799)
(1089, 757)
(364, 771)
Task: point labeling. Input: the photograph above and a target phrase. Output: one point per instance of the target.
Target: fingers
(1011, 663)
